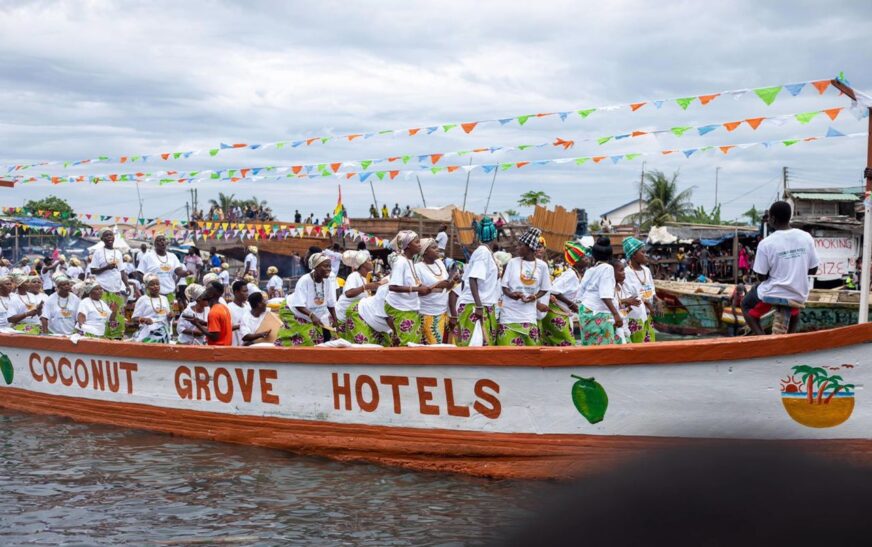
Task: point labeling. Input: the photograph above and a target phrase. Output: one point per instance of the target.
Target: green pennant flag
(66, 164)
(103, 158)
(685, 102)
(581, 161)
(435, 170)
(603, 140)
(806, 117)
(177, 155)
(193, 174)
(505, 166)
(321, 167)
(214, 152)
(134, 158)
(365, 164)
(768, 94)
(231, 173)
(524, 146)
(464, 152)
(325, 139)
(406, 159)
(449, 126)
(586, 113)
(385, 131)
(380, 175)
(215, 176)
(631, 156)
(679, 131)
(790, 142)
(280, 145)
(706, 148)
(523, 119)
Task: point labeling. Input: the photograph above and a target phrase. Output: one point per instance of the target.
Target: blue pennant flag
(296, 143)
(706, 129)
(619, 137)
(563, 116)
(369, 135)
(834, 133)
(364, 176)
(430, 130)
(616, 159)
(658, 104)
(225, 146)
(541, 162)
(689, 152)
(504, 121)
(488, 168)
(255, 146)
(794, 89)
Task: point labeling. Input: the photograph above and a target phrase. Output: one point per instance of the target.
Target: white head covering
(316, 259)
(502, 257)
(402, 240)
(194, 291)
(209, 277)
(355, 259)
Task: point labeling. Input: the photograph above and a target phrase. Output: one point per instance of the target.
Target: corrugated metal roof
(816, 196)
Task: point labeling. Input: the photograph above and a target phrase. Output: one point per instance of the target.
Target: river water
(67, 483)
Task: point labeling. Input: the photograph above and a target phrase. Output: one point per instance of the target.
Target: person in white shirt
(598, 316)
(402, 303)
(107, 265)
(249, 265)
(224, 274)
(251, 320)
(335, 255)
(94, 314)
(275, 287)
(194, 321)
(26, 305)
(312, 306)
(5, 267)
(6, 294)
(153, 314)
(481, 289)
(367, 322)
(59, 311)
(434, 306)
(356, 287)
(75, 271)
(639, 282)
(784, 261)
(165, 265)
(238, 306)
(557, 325)
(525, 280)
(442, 239)
(626, 297)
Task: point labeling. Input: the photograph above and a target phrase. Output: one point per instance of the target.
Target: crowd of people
(396, 212)
(245, 212)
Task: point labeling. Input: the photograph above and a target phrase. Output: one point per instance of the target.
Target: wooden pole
(487, 204)
(374, 201)
(867, 214)
(421, 189)
(736, 257)
(466, 191)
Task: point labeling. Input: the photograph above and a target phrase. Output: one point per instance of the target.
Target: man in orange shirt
(220, 325)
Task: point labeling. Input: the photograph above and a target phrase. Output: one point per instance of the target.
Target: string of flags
(328, 168)
(766, 94)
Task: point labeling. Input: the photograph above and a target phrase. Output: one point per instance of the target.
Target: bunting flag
(329, 168)
(766, 94)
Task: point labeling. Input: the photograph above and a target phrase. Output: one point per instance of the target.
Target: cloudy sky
(86, 79)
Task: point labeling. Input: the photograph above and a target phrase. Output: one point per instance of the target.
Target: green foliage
(67, 215)
(533, 198)
(510, 213)
(665, 202)
(753, 215)
(594, 227)
(701, 216)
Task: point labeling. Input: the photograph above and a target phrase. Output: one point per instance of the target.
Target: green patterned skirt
(597, 329)
(407, 324)
(115, 327)
(518, 334)
(466, 326)
(557, 328)
(28, 328)
(641, 332)
(297, 332)
(358, 331)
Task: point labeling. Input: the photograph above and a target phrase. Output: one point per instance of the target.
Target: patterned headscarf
(403, 239)
(355, 259)
(90, 286)
(485, 229)
(631, 246)
(573, 251)
(531, 238)
(194, 291)
(316, 259)
(208, 278)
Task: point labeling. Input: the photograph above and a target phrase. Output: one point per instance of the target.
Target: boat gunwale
(671, 352)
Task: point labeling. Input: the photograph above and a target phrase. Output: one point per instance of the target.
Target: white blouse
(61, 313)
(403, 274)
(318, 297)
(354, 281)
(528, 278)
(435, 303)
(184, 325)
(96, 314)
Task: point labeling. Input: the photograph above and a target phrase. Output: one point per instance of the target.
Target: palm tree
(753, 215)
(533, 198)
(510, 213)
(809, 376)
(226, 202)
(664, 202)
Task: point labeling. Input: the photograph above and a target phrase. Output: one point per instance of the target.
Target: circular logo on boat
(818, 396)
(6, 369)
(590, 399)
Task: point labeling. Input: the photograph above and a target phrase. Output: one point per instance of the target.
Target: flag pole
(421, 190)
(867, 213)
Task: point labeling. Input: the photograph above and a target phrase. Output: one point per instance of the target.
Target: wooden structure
(557, 226)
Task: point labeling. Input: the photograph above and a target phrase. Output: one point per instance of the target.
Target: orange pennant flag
(667, 152)
(754, 122)
(239, 145)
(393, 174)
(244, 172)
(732, 125)
(597, 159)
(565, 144)
(335, 166)
(413, 132)
(453, 168)
(638, 133)
(296, 169)
(123, 159)
(165, 156)
(833, 113)
(435, 158)
(522, 164)
(468, 127)
(706, 99)
(395, 158)
(821, 86)
(726, 149)
(478, 150)
(234, 179)
(349, 175)
(352, 137)
(807, 139)
(113, 178)
(637, 106)
(310, 141)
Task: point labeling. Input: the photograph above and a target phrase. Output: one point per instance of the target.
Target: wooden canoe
(496, 412)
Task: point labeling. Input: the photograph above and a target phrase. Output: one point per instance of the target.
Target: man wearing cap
(107, 266)
(481, 289)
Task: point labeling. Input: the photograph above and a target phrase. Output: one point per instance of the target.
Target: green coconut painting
(6, 369)
(590, 399)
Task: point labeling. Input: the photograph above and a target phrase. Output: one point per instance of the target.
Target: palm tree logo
(817, 397)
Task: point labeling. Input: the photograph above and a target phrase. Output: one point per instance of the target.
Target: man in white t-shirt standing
(442, 238)
(784, 262)
(164, 265)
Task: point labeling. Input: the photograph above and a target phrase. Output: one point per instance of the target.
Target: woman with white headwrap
(59, 311)
(402, 303)
(275, 287)
(153, 314)
(356, 286)
(193, 322)
(367, 321)
(26, 304)
(6, 288)
(311, 307)
(94, 314)
(249, 265)
(434, 306)
(75, 271)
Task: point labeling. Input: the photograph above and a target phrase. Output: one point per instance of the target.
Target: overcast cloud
(82, 79)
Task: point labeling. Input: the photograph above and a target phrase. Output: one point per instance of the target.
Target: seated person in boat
(312, 306)
(367, 322)
(26, 305)
(251, 320)
(784, 261)
(220, 325)
(94, 314)
(152, 313)
(59, 311)
(525, 280)
(356, 286)
(193, 322)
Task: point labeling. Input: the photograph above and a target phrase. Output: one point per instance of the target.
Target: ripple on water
(70, 483)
